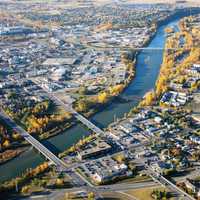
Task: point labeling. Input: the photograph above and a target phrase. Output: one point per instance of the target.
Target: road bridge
(35, 143)
(76, 178)
(79, 117)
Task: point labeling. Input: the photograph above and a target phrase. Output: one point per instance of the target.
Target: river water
(147, 70)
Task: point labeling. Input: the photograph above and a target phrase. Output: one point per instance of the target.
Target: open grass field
(145, 194)
(134, 194)
(116, 196)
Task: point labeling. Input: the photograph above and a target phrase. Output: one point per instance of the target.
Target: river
(147, 70)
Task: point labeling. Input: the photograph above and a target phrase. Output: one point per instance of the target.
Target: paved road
(61, 165)
(77, 178)
(35, 143)
(68, 108)
(56, 194)
(158, 48)
(191, 175)
(165, 182)
(78, 116)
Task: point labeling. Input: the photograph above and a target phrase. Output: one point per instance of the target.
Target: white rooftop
(59, 61)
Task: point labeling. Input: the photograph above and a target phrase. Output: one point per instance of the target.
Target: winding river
(147, 69)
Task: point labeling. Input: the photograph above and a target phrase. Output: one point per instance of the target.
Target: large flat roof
(97, 145)
(59, 61)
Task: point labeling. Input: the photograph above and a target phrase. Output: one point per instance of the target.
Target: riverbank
(97, 104)
(95, 115)
(90, 105)
(12, 144)
(146, 75)
(175, 70)
(8, 155)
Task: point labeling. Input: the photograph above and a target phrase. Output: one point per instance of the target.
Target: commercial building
(95, 148)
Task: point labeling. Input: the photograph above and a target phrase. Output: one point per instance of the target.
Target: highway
(165, 182)
(56, 194)
(157, 48)
(35, 143)
(68, 108)
(191, 175)
(94, 45)
(76, 178)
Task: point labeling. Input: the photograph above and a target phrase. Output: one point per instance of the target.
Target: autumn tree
(148, 99)
(103, 97)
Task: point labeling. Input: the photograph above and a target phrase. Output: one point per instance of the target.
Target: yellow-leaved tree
(103, 97)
